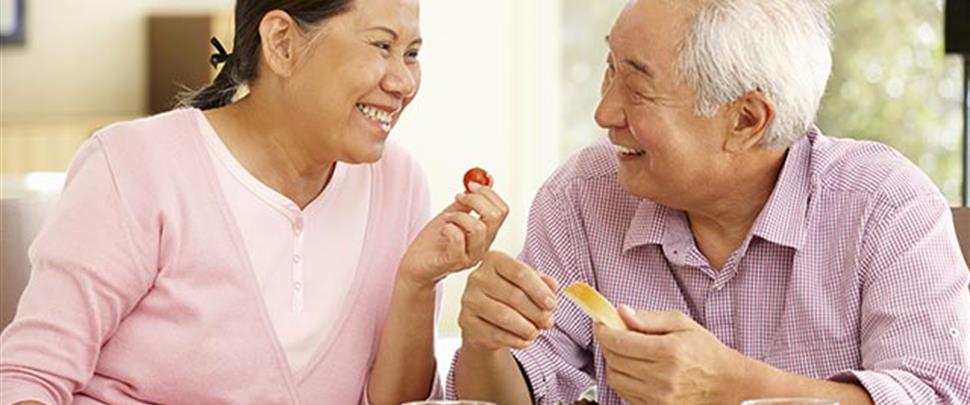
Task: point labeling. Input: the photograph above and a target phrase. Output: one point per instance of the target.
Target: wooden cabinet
(178, 54)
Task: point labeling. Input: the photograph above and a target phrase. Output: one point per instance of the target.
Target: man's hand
(667, 358)
(505, 305)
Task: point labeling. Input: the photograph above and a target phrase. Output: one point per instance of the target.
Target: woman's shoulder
(162, 131)
(151, 153)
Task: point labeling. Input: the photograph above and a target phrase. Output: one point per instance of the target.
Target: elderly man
(764, 258)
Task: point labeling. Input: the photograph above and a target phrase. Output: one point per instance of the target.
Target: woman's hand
(455, 239)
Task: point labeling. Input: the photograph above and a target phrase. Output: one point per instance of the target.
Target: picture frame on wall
(12, 22)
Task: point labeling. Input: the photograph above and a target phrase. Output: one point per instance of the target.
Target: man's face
(666, 152)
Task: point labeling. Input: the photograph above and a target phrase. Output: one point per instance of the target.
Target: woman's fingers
(476, 235)
(491, 214)
(493, 198)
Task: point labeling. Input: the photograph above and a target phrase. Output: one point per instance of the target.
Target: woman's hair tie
(221, 56)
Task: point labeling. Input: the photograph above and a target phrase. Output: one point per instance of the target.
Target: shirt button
(718, 287)
(298, 286)
(954, 332)
(297, 258)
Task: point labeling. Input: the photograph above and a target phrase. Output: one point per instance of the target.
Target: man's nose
(609, 112)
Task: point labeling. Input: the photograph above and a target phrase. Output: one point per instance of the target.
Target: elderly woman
(768, 260)
(272, 250)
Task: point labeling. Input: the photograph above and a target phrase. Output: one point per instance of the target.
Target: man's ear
(752, 114)
(279, 35)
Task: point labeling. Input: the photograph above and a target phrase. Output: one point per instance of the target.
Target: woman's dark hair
(240, 65)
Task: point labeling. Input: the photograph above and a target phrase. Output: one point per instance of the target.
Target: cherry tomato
(477, 175)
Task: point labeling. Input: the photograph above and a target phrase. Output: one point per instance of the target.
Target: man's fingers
(502, 317)
(656, 323)
(503, 291)
(489, 335)
(551, 282)
(528, 280)
(635, 345)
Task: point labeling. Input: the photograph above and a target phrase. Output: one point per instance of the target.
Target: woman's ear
(279, 35)
(753, 113)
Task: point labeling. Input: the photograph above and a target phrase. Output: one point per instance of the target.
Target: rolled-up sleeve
(915, 315)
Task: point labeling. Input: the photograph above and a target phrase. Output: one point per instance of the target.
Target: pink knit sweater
(141, 291)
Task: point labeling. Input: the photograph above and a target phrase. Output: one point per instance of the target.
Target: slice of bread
(594, 305)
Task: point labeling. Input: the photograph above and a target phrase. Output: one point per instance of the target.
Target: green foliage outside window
(892, 83)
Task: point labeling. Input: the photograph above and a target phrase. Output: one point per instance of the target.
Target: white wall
(488, 99)
(83, 58)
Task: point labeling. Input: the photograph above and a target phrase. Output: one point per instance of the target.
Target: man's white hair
(780, 47)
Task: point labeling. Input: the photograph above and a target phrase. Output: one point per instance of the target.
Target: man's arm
(764, 381)
(915, 308)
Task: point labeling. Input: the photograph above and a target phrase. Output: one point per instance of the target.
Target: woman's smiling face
(359, 73)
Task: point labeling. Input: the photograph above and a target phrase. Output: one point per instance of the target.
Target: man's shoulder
(872, 169)
(595, 163)
(587, 189)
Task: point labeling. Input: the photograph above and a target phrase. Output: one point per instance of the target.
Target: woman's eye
(384, 46)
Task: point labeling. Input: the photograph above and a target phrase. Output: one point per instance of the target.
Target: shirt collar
(781, 221)
(647, 226)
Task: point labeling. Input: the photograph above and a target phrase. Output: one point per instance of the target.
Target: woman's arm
(86, 275)
(405, 365)
(454, 240)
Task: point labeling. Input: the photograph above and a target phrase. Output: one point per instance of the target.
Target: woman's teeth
(625, 151)
(376, 114)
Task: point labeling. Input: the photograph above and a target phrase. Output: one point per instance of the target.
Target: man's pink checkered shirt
(852, 272)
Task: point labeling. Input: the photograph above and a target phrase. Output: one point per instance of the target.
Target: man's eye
(412, 54)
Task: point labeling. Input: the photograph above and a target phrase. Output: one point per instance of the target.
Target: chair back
(20, 221)
(961, 221)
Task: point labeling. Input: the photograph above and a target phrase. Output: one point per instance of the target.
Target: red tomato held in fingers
(477, 175)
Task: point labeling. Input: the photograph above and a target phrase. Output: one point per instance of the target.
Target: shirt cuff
(450, 392)
(535, 369)
(882, 388)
